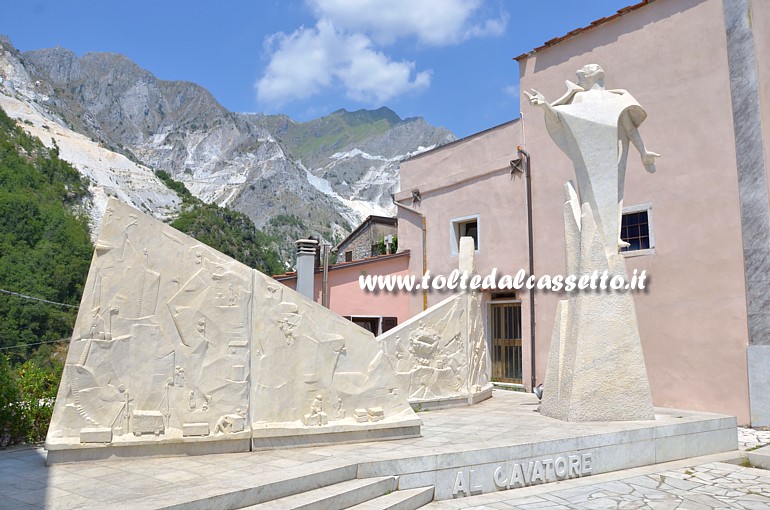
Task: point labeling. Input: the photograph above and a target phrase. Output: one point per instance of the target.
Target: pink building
(375, 311)
(700, 226)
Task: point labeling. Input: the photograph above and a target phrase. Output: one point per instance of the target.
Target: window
(349, 256)
(470, 229)
(636, 229)
(467, 226)
(375, 250)
(389, 323)
(376, 325)
(371, 324)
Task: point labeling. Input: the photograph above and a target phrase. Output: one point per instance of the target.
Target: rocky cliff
(291, 178)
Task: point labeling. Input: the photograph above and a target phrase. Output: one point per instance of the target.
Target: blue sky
(449, 61)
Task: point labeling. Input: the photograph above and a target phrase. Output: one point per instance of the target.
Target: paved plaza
(166, 481)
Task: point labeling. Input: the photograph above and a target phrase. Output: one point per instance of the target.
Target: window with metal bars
(635, 229)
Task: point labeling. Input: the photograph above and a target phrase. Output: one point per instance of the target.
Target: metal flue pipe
(530, 241)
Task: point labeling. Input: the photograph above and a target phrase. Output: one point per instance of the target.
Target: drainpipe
(528, 180)
(424, 245)
(325, 278)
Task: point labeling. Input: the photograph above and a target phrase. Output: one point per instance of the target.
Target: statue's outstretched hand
(648, 160)
(536, 98)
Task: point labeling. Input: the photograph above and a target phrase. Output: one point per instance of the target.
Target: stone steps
(340, 495)
(409, 499)
(274, 489)
(760, 458)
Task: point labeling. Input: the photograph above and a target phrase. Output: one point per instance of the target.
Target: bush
(27, 396)
(37, 388)
(382, 248)
(10, 423)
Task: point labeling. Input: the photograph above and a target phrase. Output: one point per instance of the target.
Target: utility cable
(3, 291)
(29, 345)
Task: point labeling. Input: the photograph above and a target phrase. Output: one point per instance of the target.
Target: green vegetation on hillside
(45, 252)
(45, 245)
(231, 232)
(290, 226)
(330, 133)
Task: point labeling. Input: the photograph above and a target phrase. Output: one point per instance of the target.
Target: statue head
(589, 75)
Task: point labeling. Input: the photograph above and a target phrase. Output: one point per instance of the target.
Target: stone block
(231, 423)
(195, 429)
(312, 420)
(147, 422)
(96, 435)
(239, 373)
(760, 458)
(375, 414)
(239, 422)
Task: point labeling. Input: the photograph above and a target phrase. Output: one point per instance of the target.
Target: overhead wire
(21, 346)
(33, 298)
(24, 296)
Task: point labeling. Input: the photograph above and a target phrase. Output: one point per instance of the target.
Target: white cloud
(341, 50)
(310, 60)
(299, 66)
(370, 76)
(433, 22)
(511, 90)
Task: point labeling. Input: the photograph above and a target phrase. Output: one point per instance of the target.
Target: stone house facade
(363, 241)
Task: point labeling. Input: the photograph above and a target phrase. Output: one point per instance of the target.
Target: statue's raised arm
(537, 99)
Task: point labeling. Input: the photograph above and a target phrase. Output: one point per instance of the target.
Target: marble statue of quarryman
(593, 126)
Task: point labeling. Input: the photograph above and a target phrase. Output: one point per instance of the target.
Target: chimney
(306, 250)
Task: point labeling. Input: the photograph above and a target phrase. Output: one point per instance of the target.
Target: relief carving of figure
(316, 416)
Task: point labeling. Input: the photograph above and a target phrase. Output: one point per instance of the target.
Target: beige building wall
(469, 177)
(671, 55)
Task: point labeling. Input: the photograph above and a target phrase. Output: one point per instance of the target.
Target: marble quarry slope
(176, 343)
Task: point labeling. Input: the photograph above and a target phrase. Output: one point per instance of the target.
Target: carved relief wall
(176, 343)
(314, 368)
(440, 355)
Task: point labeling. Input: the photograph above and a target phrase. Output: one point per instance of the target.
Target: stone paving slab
(752, 438)
(495, 428)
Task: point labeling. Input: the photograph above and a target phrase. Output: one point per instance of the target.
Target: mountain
(293, 179)
(28, 99)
